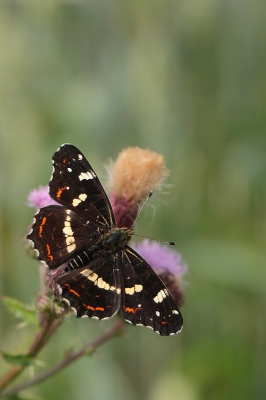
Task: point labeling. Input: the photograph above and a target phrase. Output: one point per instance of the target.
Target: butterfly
(102, 274)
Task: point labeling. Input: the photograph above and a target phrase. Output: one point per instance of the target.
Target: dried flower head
(134, 174)
(167, 263)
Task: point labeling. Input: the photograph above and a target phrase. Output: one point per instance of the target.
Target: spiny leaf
(20, 310)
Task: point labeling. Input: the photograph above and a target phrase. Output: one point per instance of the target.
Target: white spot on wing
(44, 264)
(93, 277)
(74, 311)
(175, 312)
(87, 175)
(160, 296)
(101, 283)
(82, 197)
(76, 202)
(68, 232)
(150, 327)
(66, 301)
(89, 274)
(133, 289)
(130, 290)
(70, 244)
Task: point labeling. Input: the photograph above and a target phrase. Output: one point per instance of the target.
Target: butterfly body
(117, 238)
(110, 242)
(102, 274)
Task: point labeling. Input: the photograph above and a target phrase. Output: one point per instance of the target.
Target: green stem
(48, 327)
(86, 350)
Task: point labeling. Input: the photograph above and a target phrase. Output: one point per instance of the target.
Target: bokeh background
(186, 79)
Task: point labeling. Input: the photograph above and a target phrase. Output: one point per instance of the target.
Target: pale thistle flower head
(135, 173)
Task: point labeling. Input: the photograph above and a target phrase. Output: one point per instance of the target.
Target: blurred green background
(183, 78)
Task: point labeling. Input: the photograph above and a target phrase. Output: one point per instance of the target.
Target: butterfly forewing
(75, 185)
(94, 290)
(145, 299)
(58, 234)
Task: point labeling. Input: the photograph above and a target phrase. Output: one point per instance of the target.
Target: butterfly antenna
(157, 240)
(149, 195)
(148, 237)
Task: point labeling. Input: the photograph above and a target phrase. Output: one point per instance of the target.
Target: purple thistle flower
(160, 256)
(39, 198)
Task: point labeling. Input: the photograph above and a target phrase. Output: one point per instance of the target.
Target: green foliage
(28, 314)
(22, 360)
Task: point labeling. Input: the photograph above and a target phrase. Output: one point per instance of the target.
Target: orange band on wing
(131, 310)
(41, 226)
(60, 191)
(49, 252)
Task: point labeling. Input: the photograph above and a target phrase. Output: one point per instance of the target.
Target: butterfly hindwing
(93, 291)
(75, 185)
(145, 299)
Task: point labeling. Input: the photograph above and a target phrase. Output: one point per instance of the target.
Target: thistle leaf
(20, 310)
